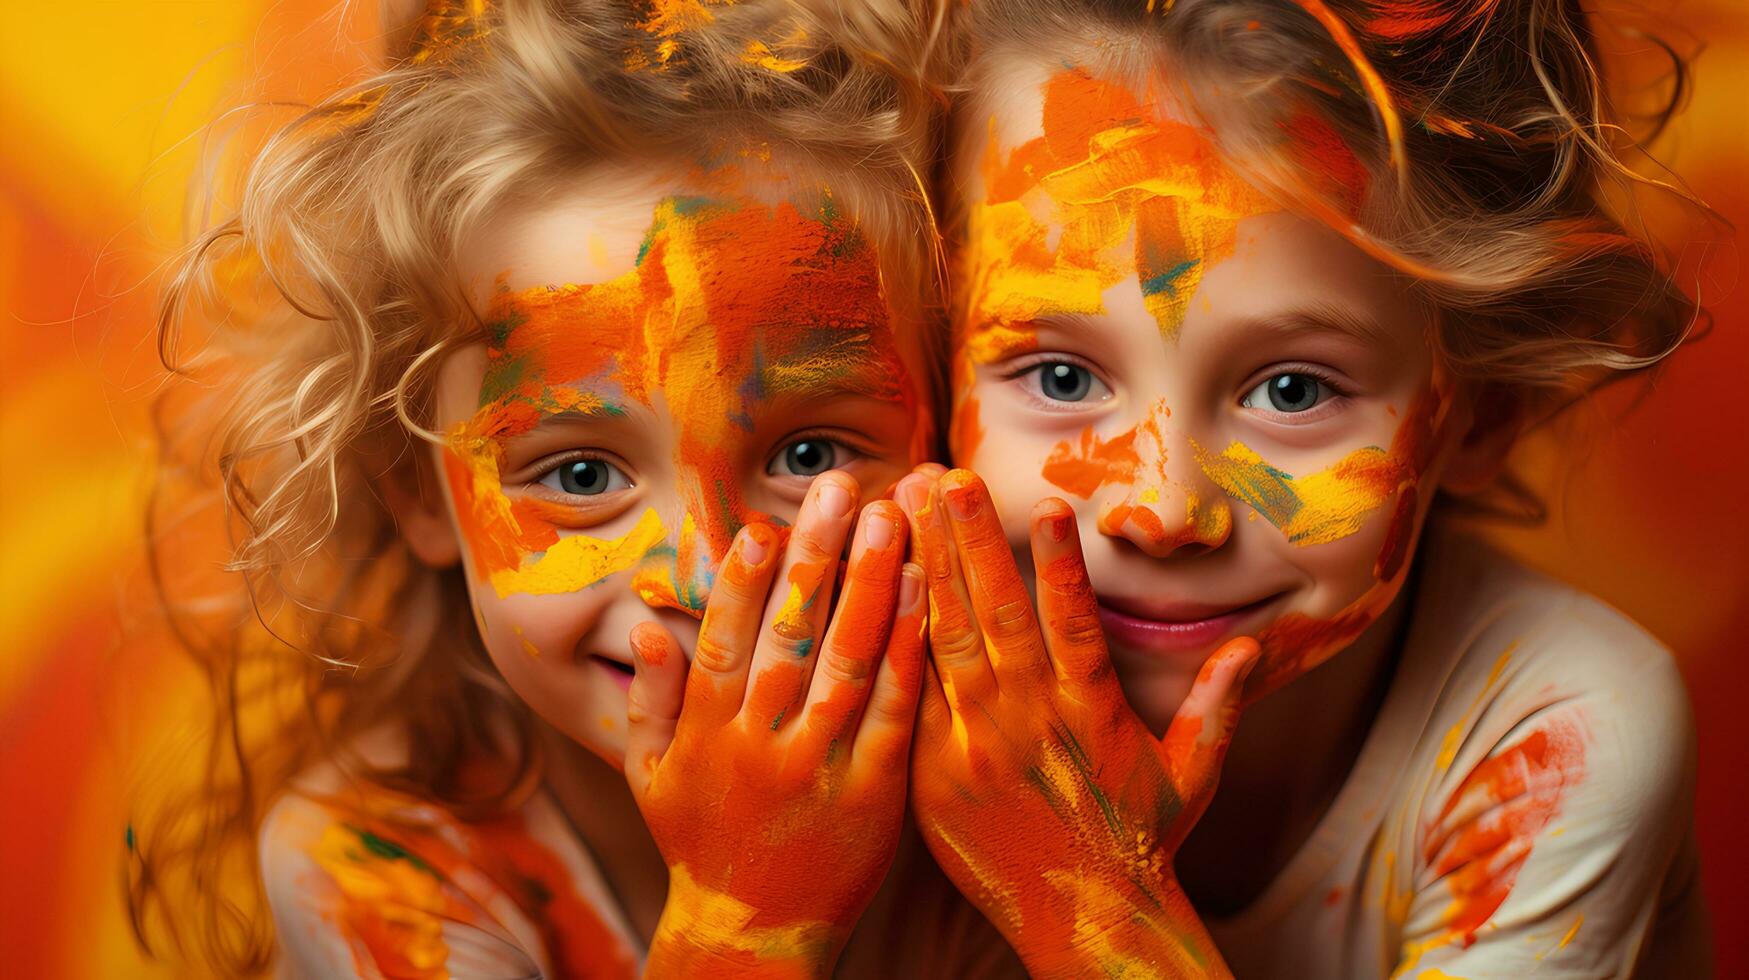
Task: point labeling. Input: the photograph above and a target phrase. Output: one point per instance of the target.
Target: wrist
(1122, 930)
(705, 932)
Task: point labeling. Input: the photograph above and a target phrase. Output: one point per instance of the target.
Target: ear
(1495, 417)
(414, 496)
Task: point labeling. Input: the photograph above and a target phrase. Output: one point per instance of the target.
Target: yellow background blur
(102, 106)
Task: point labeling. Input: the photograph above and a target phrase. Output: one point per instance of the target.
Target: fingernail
(910, 587)
(912, 495)
(753, 546)
(877, 531)
(1057, 527)
(963, 502)
(832, 500)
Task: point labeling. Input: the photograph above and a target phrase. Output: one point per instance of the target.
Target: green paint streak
(383, 848)
(502, 379)
(128, 836)
(500, 330)
(1267, 490)
(1167, 282)
(1084, 768)
(779, 719)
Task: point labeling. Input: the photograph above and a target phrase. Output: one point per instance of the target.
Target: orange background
(101, 109)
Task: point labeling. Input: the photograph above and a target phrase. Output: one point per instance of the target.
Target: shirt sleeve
(350, 902)
(1556, 846)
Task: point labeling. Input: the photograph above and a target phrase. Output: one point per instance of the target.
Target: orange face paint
(1342, 497)
(1130, 193)
(734, 309)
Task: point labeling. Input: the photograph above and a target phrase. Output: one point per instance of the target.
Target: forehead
(626, 279)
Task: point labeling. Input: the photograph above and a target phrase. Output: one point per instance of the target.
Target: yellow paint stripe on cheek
(1325, 506)
(579, 561)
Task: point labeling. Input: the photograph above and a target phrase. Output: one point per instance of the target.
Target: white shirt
(1521, 806)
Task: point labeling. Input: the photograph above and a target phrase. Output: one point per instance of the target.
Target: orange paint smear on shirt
(401, 877)
(1485, 832)
(735, 308)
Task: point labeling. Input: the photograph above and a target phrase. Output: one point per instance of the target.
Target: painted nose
(1168, 518)
(677, 575)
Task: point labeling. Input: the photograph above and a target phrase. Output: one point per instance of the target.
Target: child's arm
(776, 788)
(1039, 791)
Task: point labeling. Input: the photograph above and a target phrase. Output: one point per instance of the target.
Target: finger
(1012, 641)
(653, 703)
(859, 628)
(1066, 603)
(795, 612)
(934, 719)
(956, 647)
(884, 738)
(1197, 740)
(718, 680)
(928, 471)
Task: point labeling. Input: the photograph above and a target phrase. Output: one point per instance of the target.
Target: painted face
(1239, 403)
(662, 365)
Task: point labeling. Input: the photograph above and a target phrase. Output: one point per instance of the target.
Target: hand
(1039, 791)
(772, 773)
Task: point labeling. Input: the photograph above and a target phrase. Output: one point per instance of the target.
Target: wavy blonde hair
(300, 327)
(1496, 161)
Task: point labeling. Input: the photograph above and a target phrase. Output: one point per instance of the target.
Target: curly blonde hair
(1494, 158)
(320, 303)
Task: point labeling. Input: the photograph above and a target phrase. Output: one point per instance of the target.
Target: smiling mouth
(1181, 629)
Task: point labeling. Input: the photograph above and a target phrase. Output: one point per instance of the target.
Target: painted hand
(772, 773)
(1042, 795)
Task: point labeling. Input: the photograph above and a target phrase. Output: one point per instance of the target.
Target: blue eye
(1290, 392)
(1063, 381)
(585, 478)
(804, 457)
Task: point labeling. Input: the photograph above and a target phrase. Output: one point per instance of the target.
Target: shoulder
(366, 882)
(1557, 764)
(1523, 652)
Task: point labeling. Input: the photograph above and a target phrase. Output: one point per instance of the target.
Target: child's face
(666, 361)
(1241, 406)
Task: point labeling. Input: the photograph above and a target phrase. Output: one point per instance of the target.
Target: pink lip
(1188, 630)
(621, 677)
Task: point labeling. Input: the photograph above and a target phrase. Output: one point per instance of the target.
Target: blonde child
(517, 352)
(1250, 293)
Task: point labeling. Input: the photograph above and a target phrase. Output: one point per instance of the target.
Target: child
(1246, 290)
(636, 274)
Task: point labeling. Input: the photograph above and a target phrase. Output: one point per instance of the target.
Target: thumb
(1200, 732)
(653, 703)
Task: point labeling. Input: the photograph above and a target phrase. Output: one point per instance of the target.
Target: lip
(617, 671)
(1173, 628)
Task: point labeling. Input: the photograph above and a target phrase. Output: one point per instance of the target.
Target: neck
(1292, 753)
(595, 799)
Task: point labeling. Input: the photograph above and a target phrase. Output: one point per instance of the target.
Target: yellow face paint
(1109, 172)
(1322, 507)
(731, 303)
(579, 561)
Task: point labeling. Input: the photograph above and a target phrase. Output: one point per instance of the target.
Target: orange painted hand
(1038, 789)
(772, 772)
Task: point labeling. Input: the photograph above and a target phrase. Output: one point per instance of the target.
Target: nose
(1165, 518)
(1170, 508)
(677, 575)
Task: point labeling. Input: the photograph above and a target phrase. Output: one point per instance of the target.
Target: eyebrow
(845, 365)
(1323, 318)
